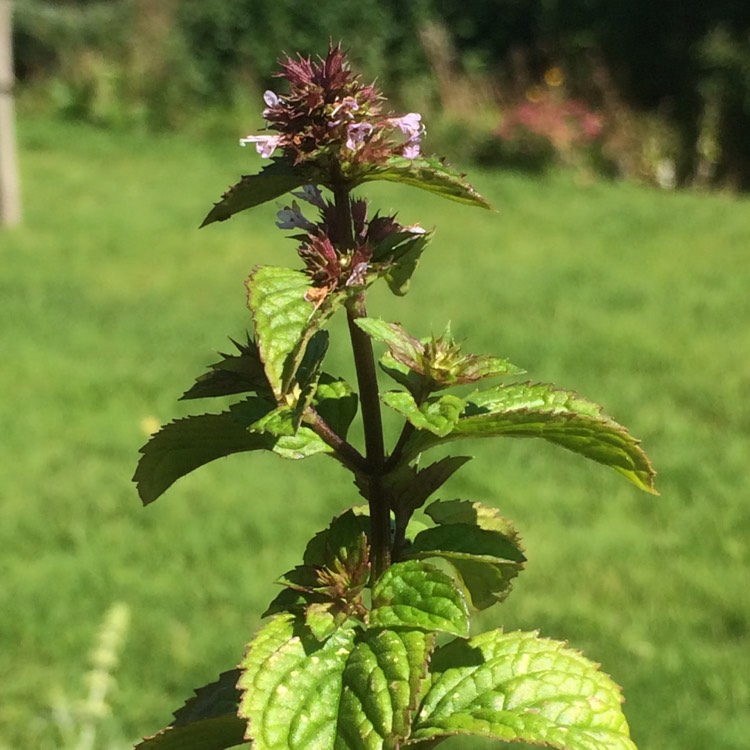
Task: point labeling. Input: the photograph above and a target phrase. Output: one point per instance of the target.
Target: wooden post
(10, 197)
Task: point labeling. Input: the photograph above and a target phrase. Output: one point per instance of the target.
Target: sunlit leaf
(560, 417)
(355, 689)
(285, 321)
(481, 545)
(279, 177)
(186, 444)
(437, 415)
(414, 594)
(517, 687)
(428, 173)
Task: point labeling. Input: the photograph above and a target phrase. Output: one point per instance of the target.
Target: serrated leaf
(336, 402)
(382, 683)
(437, 415)
(276, 297)
(431, 364)
(232, 374)
(285, 321)
(288, 600)
(404, 347)
(417, 595)
(311, 370)
(403, 375)
(208, 721)
(356, 690)
(186, 444)
(404, 264)
(428, 173)
(281, 422)
(340, 541)
(292, 685)
(485, 561)
(411, 487)
(320, 617)
(220, 733)
(481, 545)
(560, 417)
(277, 178)
(303, 444)
(189, 443)
(517, 687)
(466, 542)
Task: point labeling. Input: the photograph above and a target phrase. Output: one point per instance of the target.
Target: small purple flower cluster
(328, 108)
(331, 261)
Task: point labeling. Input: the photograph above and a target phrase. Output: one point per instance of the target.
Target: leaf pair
(282, 367)
(384, 685)
(281, 176)
(513, 410)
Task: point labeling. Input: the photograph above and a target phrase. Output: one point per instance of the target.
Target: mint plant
(368, 643)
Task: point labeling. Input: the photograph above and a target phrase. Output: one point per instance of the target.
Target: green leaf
(357, 690)
(428, 173)
(208, 721)
(280, 422)
(410, 487)
(276, 297)
(340, 541)
(417, 595)
(382, 684)
(472, 541)
(336, 402)
(517, 687)
(481, 545)
(431, 364)
(404, 347)
(292, 686)
(405, 258)
(311, 369)
(285, 321)
(232, 374)
(186, 444)
(560, 417)
(320, 617)
(403, 375)
(277, 178)
(438, 415)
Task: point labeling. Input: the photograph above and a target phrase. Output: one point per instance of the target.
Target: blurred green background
(112, 302)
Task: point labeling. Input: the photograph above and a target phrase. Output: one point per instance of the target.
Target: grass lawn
(111, 303)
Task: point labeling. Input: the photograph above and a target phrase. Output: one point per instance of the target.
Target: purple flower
(290, 217)
(264, 144)
(356, 134)
(410, 125)
(311, 194)
(270, 98)
(410, 149)
(348, 104)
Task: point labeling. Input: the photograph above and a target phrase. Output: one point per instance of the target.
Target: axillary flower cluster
(332, 122)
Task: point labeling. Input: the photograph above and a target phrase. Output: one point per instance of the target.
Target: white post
(10, 194)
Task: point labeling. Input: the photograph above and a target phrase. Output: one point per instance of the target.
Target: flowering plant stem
(364, 360)
(372, 422)
(349, 657)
